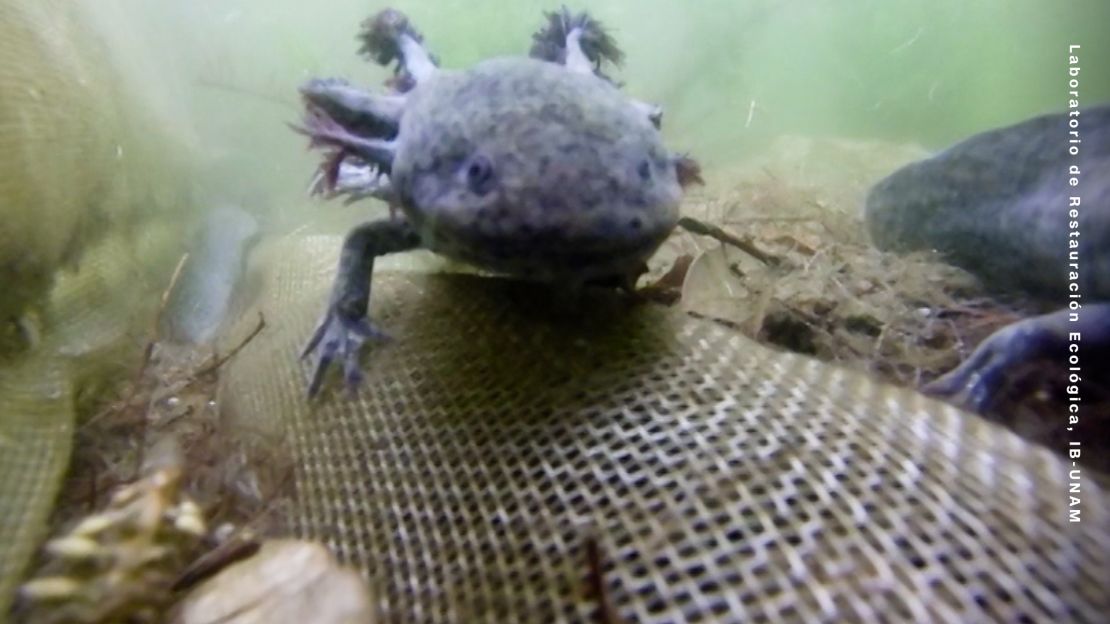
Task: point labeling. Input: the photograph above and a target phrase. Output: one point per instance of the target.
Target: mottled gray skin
(519, 166)
(997, 205)
(581, 185)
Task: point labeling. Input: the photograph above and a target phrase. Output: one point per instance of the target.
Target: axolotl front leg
(345, 326)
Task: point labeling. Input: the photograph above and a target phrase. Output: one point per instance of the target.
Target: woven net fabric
(506, 428)
(95, 318)
(88, 209)
(53, 144)
(36, 436)
(50, 128)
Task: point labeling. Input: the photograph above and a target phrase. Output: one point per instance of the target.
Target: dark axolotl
(537, 167)
(998, 205)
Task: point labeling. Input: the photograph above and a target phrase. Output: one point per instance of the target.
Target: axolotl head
(521, 166)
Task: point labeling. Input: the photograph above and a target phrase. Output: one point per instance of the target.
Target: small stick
(234, 550)
(606, 613)
(733, 325)
(745, 220)
(162, 303)
(148, 349)
(214, 366)
(702, 228)
(173, 283)
(668, 289)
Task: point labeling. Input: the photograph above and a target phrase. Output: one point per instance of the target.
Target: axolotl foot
(975, 383)
(345, 326)
(338, 336)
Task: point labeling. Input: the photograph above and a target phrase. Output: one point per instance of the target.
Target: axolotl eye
(480, 176)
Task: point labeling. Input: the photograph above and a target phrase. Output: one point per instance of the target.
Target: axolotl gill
(537, 167)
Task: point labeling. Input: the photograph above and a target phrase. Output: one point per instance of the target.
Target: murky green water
(124, 122)
(731, 74)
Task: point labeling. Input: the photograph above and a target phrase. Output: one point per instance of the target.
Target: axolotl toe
(521, 166)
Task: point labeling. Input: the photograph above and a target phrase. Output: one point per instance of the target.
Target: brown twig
(234, 550)
(606, 613)
(668, 289)
(214, 366)
(245, 542)
(694, 226)
(148, 349)
(787, 219)
(169, 289)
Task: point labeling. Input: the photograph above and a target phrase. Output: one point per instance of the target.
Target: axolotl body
(537, 167)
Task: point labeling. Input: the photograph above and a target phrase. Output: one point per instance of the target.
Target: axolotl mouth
(516, 165)
(345, 167)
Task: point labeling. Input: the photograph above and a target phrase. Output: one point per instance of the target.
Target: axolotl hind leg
(975, 383)
(345, 327)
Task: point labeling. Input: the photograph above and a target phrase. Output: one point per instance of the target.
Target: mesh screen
(53, 144)
(92, 200)
(55, 163)
(95, 319)
(36, 430)
(505, 427)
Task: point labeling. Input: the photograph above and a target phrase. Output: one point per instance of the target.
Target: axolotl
(537, 167)
(1018, 208)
